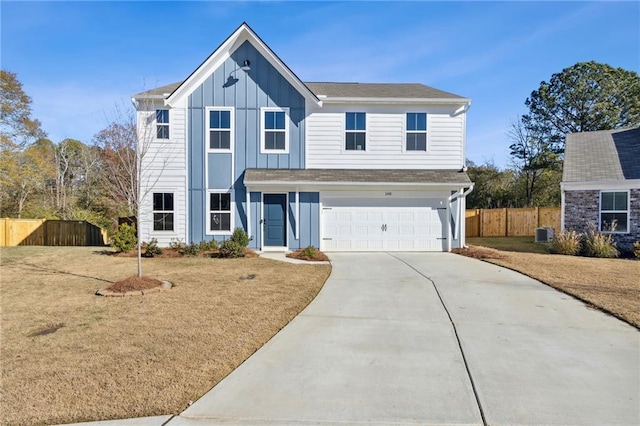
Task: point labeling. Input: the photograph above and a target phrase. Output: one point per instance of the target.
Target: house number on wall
(387, 194)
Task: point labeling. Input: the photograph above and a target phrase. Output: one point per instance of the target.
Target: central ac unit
(544, 235)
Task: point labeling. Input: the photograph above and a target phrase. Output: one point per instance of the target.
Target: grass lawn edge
(568, 293)
(268, 341)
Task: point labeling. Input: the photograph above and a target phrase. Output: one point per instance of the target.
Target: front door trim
(262, 233)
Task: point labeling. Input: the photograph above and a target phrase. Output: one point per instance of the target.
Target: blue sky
(78, 60)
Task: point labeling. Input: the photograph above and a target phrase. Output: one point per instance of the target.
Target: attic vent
(544, 235)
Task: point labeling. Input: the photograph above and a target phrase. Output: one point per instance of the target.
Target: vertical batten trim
(248, 210)
(297, 236)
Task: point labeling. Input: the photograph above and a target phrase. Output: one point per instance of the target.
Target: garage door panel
(357, 225)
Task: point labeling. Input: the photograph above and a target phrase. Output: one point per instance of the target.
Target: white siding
(385, 140)
(163, 170)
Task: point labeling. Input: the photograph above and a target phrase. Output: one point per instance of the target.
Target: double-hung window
(219, 125)
(275, 130)
(614, 211)
(416, 131)
(355, 131)
(162, 124)
(163, 211)
(219, 212)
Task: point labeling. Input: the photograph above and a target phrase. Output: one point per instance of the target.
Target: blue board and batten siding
(309, 217)
(246, 92)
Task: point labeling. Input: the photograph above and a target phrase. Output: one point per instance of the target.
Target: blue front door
(275, 223)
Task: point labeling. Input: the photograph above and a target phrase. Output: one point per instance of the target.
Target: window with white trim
(219, 206)
(416, 131)
(162, 124)
(219, 125)
(163, 211)
(275, 130)
(614, 211)
(355, 131)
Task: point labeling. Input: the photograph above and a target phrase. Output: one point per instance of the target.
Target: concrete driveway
(417, 338)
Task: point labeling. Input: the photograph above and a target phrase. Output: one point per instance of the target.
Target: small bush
(636, 249)
(192, 249)
(231, 249)
(177, 245)
(309, 251)
(124, 240)
(241, 237)
(596, 244)
(566, 242)
(208, 245)
(151, 248)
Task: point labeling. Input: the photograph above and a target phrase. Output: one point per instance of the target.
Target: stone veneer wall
(582, 207)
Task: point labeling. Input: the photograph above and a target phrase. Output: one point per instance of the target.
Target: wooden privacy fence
(510, 222)
(44, 232)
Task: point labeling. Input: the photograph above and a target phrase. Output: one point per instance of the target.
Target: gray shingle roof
(327, 176)
(347, 90)
(602, 155)
(158, 91)
(379, 90)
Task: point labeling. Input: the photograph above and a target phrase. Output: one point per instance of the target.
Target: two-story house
(243, 142)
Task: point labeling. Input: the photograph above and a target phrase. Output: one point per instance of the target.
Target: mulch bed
(134, 284)
(169, 253)
(317, 257)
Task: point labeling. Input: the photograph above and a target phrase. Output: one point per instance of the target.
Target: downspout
(460, 195)
(463, 219)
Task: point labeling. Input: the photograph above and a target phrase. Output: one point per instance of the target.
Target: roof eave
(334, 183)
(404, 101)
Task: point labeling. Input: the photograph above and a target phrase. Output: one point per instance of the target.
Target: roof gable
(216, 59)
(606, 155)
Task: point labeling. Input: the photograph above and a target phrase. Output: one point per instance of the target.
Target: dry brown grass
(612, 285)
(70, 356)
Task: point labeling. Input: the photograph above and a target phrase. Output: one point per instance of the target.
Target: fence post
(506, 222)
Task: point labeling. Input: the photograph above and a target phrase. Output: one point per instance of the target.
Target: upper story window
(219, 125)
(162, 123)
(416, 131)
(275, 130)
(219, 208)
(163, 211)
(355, 131)
(614, 211)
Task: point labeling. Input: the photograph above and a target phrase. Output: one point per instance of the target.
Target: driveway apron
(434, 338)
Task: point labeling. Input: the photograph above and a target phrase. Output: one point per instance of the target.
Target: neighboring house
(242, 142)
(601, 183)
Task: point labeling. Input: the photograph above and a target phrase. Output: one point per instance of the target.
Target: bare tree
(128, 146)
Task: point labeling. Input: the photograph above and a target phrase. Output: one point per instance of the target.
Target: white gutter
(312, 183)
(421, 101)
(464, 108)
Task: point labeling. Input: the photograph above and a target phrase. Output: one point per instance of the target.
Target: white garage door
(383, 225)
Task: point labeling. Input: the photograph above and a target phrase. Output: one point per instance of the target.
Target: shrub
(177, 245)
(597, 244)
(231, 249)
(636, 249)
(151, 248)
(124, 239)
(208, 245)
(241, 237)
(192, 249)
(309, 251)
(566, 242)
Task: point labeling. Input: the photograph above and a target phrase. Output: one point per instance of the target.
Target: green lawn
(517, 244)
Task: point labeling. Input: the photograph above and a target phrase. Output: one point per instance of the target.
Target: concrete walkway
(434, 339)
